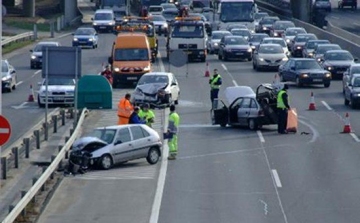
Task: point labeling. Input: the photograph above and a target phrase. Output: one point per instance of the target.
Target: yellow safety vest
(280, 101)
(213, 81)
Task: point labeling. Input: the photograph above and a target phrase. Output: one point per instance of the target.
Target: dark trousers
(214, 93)
(282, 120)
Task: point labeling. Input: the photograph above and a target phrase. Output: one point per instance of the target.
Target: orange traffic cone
(207, 72)
(31, 95)
(347, 127)
(312, 106)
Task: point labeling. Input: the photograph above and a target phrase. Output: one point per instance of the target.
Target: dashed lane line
(326, 105)
(276, 178)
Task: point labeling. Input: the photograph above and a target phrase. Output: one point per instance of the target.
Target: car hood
(276, 56)
(152, 88)
(311, 71)
(238, 47)
(232, 93)
(58, 88)
(157, 23)
(299, 44)
(37, 53)
(339, 62)
(81, 143)
(215, 41)
(356, 90)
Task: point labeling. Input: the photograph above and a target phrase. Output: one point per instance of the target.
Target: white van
(104, 20)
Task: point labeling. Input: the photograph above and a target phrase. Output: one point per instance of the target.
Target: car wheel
(106, 162)
(298, 83)
(219, 56)
(93, 46)
(327, 85)
(254, 66)
(252, 124)
(32, 66)
(153, 155)
(346, 102)
(249, 59)
(257, 68)
(225, 57)
(14, 86)
(41, 105)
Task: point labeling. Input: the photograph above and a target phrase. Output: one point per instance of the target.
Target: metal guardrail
(30, 194)
(9, 40)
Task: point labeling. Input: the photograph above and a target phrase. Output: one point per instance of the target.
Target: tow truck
(188, 34)
(139, 24)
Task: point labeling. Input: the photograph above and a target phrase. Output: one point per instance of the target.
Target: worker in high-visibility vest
(147, 114)
(215, 84)
(173, 128)
(282, 107)
(125, 109)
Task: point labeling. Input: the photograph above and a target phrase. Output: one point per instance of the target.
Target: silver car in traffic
(213, 41)
(111, 145)
(269, 56)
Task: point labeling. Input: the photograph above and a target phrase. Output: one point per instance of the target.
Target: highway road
(238, 175)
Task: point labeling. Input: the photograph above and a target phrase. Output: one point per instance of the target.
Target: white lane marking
(355, 137)
(4, 131)
(356, 24)
(315, 133)
(18, 83)
(161, 64)
(22, 105)
(276, 178)
(36, 73)
(326, 105)
(334, 17)
(233, 80)
(261, 137)
(66, 34)
(198, 126)
(155, 210)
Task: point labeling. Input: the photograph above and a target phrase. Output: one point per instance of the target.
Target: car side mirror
(110, 60)
(13, 71)
(39, 84)
(117, 142)
(356, 59)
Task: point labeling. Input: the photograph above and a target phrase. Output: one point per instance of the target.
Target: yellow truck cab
(130, 58)
(143, 25)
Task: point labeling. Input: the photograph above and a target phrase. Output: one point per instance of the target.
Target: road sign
(178, 58)
(5, 130)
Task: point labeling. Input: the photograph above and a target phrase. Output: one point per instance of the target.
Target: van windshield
(103, 16)
(131, 55)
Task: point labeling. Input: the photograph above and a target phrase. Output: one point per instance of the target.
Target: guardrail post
(46, 131)
(3, 168)
(23, 212)
(54, 119)
(62, 113)
(34, 179)
(27, 147)
(62, 18)
(15, 151)
(71, 111)
(67, 138)
(67, 155)
(52, 29)
(52, 160)
(37, 138)
(71, 132)
(43, 188)
(35, 31)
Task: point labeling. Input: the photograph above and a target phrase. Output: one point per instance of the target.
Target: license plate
(131, 78)
(58, 99)
(317, 80)
(238, 54)
(102, 27)
(273, 64)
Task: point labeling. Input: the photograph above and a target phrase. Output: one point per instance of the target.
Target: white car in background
(61, 91)
(277, 40)
(156, 88)
(8, 76)
(269, 56)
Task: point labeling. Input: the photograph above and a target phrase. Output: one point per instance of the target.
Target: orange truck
(130, 58)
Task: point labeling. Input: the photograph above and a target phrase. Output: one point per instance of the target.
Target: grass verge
(16, 45)
(28, 25)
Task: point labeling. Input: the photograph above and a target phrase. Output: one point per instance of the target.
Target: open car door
(266, 95)
(220, 115)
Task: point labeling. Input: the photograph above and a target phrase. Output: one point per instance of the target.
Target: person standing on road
(173, 128)
(124, 110)
(215, 84)
(135, 118)
(283, 107)
(147, 114)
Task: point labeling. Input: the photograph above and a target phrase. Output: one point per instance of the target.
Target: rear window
(155, 9)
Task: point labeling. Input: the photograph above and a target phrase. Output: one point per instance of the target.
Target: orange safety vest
(125, 108)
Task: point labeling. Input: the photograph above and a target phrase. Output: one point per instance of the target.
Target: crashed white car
(61, 91)
(156, 88)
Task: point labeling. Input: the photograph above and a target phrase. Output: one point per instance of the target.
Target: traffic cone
(347, 127)
(31, 95)
(312, 106)
(207, 72)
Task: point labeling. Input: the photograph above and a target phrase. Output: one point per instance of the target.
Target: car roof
(158, 73)
(240, 29)
(270, 44)
(319, 41)
(155, 6)
(301, 59)
(104, 10)
(355, 65)
(356, 75)
(273, 38)
(232, 93)
(337, 51)
(221, 31)
(119, 126)
(327, 44)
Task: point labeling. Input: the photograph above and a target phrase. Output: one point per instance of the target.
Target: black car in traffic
(304, 71)
(234, 47)
(337, 62)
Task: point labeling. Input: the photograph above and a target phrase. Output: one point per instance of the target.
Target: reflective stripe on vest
(280, 101)
(213, 81)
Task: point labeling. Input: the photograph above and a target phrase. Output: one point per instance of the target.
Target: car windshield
(201, 4)
(4, 67)
(323, 49)
(83, 32)
(301, 39)
(131, 55)
(168, 6)
(187, 31)
(283, 26)
(219, 35)
(259, 16)
(150, 79)
(338, 56)
(38, 48)
(268, 21)
(270, 49)
(241, 33)
(158, 18)
(155, 9)
(307, 65)
(61, 81)
(313, 44)
(104, 134)
(294, 32)
(356, 82)
(281, 42)
(257, 38)
(103, 16)
(235, 41)
(169, 15)
(355, 70)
